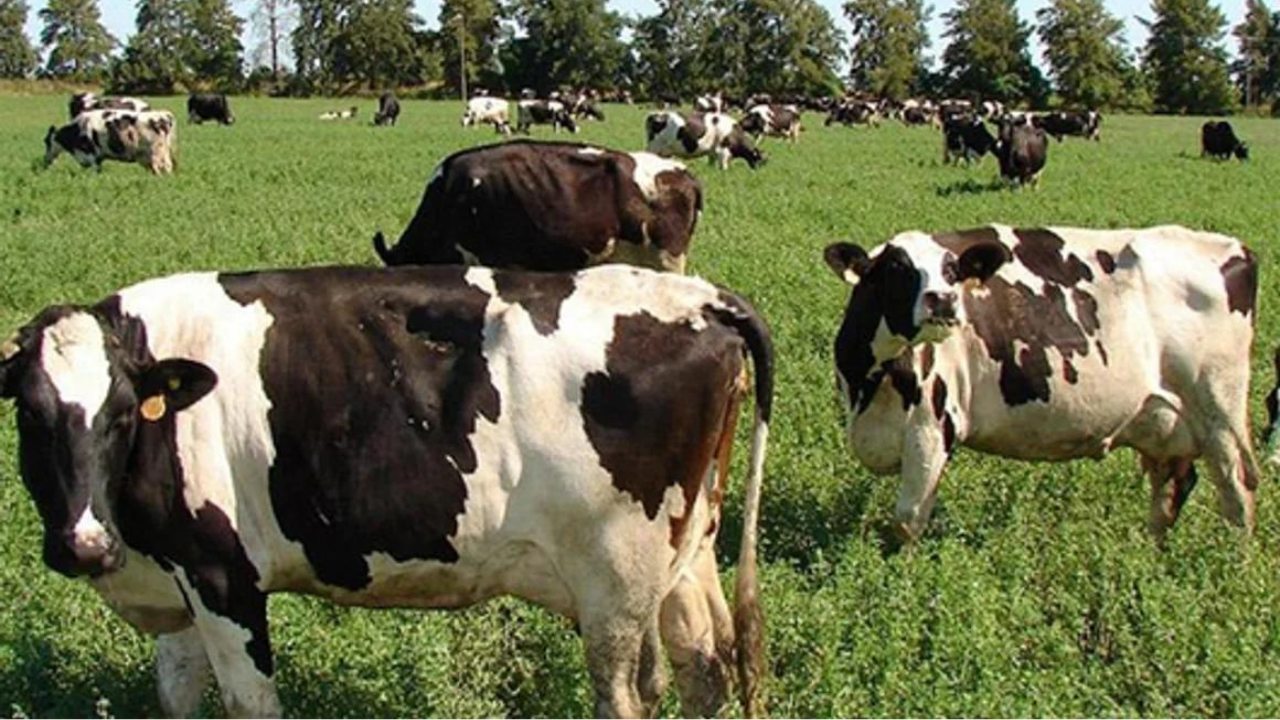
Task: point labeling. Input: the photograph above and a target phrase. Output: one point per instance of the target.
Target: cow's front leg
(182, 672)
(231, 616)
(924, 455)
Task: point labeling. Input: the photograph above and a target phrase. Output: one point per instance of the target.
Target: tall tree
(17, 57)
(1084, 46)
(988, 56)
(156, 56)
(479, 39)
(775, 46)
(272, 22)
(1258, 61)
(319, 24)
(666, 49)
(77, 43)
(1185, 57)
(889, 40)
(378, 44)
(213, 49)
(564, 42)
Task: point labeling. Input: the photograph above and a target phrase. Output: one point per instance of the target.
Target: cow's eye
(950, 271)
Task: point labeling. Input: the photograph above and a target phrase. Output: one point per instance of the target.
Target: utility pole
(462, 54)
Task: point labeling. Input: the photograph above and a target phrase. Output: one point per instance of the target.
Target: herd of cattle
(532, 399)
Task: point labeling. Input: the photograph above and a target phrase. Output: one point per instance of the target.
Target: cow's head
(1242, 151)
(907, 291)
(740, 146)
(82, 389)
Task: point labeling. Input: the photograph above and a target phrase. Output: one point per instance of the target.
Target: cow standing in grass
(714, 135)
(1051, 344)
(490, 111)
(388, 109)
(418, 437)
(1218, 140)
(148, 138)
(209, 106)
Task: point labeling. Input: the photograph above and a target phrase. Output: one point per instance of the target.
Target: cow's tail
(380, 247)
(748, 619)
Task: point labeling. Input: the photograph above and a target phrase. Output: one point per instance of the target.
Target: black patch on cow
(371, 418)
(1086, 310)
(1106, 261)
(1041, 252)
(1240, 275)
(926, 360)
(903, 376)
(655, 414)
(939, 397)
(1102, 351)
(948, 433)
(540, 296)
(227, 582)
(959, 242)
(692, 131)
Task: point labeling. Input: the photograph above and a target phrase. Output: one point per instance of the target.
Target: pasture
(1036, 590)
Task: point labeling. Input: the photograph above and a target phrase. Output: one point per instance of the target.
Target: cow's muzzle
(80, 557)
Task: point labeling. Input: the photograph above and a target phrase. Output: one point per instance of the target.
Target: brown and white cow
(1051, 344)
(414, 437)
(488, 110)
(551, 206)
(148, 138)
(714, 135)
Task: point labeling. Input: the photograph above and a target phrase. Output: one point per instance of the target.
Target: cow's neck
(867, 353)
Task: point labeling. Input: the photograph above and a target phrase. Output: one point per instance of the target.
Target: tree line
(688, 47)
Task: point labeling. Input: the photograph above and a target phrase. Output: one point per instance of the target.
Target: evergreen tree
(480, 33)
(889, 40)
(78, 44)
(214, 52)
(1258, 64)
(378, 45)
(666, 49)
(1185, 58)
(1085, 52)
(17, 57)
(988, 57)
(572, 43)
(155, 59)
(318, 26)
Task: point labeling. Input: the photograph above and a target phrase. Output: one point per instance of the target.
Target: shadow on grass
(968, 186)
(41, 682)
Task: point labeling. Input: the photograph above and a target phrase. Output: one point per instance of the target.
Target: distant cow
(148, 138)
(1022, 151)
(488, 110)
(965, 137)
(714, 135)
(854, 112)
(583, 105)
(710, 103)
(773, 120)
(552, 206)
(544, 112)
(1218, 140)
(1051, 344)
(82, 102)
(209, 106)
(1081, 124)
(417, 437)
(388, 109)
(347, 114)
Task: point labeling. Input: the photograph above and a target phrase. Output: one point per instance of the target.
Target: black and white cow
(544, 112)
(714, 135)
(416, 437)
(148, 138)
(1218, 140)
(347, 114)
(854, 112)
(772, 120)
(1051, 344)
(1022, 151)
(388, 109)
(714, 103)
(488, 110)
(209, 106)
(552, 206)
(1087, 124)
(965, 137)
(81, 102)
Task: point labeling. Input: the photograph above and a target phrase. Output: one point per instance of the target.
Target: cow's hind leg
(182, 672)
(1234, 471)
(1172, 481)
(697, 629)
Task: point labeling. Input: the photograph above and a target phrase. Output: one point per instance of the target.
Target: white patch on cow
(89, 532)
(143, 594)
(648, 167)
(591, 151)
(224, 440)
(476, 182)
(74, 357)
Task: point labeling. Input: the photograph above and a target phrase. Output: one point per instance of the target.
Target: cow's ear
(981, 261)
(848, 261)
(173, 385)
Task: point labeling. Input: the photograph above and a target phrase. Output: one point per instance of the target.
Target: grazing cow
(490, 110)
(80, 102)
(1087, 125)
(347, 114)
(714, 135)
(774, 120)
(148, 138)
(551, 206)
(965, 137)
(854, 112)
(1273, 416)
(388, 109)
(991, 109)
(1051, 344)
(1218, 140)
(710, 103)
(917, 116)
(1022, 151)
(544, 112)
(209, 106)
(416, 437)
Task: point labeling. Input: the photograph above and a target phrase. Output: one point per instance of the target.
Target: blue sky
(118, 15)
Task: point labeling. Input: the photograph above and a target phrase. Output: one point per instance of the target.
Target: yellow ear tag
(174, 384)
(153, 408)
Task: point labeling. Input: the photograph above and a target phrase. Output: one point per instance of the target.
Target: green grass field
(1035, 592)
